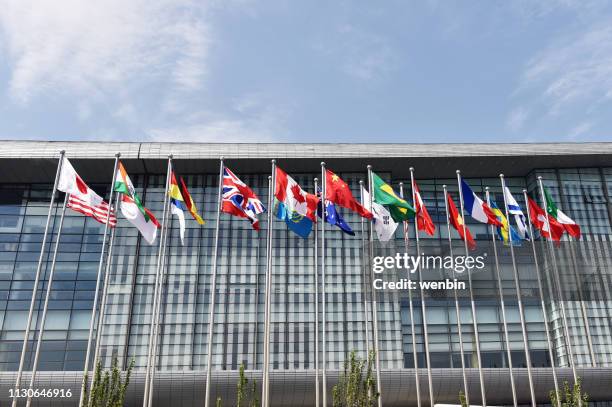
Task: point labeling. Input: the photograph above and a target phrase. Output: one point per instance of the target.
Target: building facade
(579, 176)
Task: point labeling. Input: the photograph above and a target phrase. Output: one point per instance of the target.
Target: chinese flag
(338, 192)
(457, 221)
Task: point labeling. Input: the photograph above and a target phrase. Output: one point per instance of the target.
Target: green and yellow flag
(399, 208)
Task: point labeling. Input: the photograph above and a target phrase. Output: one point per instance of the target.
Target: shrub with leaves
(570, 396)
(109, 387)
(356, 386)
(462, 399)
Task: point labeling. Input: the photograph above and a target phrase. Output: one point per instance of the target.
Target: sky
(309, 71)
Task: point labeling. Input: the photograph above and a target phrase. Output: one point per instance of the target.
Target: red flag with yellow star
(338, 192)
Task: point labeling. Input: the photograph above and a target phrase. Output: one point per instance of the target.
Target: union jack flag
(239, 199)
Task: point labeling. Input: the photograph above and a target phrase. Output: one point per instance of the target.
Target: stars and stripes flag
(240, 200)
(97, 211)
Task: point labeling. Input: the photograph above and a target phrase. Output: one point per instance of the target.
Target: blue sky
(311, 71)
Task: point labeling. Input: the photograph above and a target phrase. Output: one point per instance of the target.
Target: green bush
(570, 396)
(108, 388)
(356, 386)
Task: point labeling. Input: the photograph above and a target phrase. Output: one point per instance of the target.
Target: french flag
(476, 207)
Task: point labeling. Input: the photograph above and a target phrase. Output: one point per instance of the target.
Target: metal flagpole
(424, 310)
(323, 282)
(100, 326)
(557, 283)
(503, 306)
(162, 283)
(543, 304)
(156, 286)
(411, 310)
(316, 287)
(26, 335)
(266, 366)
(97, 289)
(374, 301)
(473, 303)
(213, 288)
(41, 329)
(517, 286)
(457, 309)
(364, 277)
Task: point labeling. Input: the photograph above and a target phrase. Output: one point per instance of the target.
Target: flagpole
(543, 304)
(323, 283)
(424, 310)
(473, 303)
(374, 295)
(26, 335)
(502, 304)
(160, 293)
(43, 319)
(211, 311)
(266, 366)
(457, 309)
(145, 400)
(316, 288)
(364, 277)
(519, 299)
(97, 289)
(411, 309)
(100, 327)
(557, 284)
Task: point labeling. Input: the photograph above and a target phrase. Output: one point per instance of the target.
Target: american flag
(98, 212)
(239, 199)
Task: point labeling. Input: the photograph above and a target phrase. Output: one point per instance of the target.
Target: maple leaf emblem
(297, 194)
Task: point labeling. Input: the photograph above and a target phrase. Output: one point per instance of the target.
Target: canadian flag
(71, 183)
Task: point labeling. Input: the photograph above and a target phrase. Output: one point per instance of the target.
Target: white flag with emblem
(384, 225)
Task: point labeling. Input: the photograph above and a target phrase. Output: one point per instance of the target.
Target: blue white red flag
(475, 206)
(240, 200)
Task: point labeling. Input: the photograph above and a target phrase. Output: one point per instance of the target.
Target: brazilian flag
(399, 208)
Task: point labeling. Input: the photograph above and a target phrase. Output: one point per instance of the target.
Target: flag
(145, 223)
(293, 205)
(506, 233)
(457, 222)
(189, 204)
(81, 198)
(333, 216)
(239, 200)
(385, 195)
(177, 205)
(424, 221)
(98, 212)
(384, 225)
(538, 218)
(568, 224)
(337, 191)
(519, 217)
(476, 207)
(132, 208)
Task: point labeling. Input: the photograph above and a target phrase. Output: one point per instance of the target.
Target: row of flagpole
(103, 277)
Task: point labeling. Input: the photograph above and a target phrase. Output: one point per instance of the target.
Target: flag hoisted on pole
(316, 298)
(415, 359)
(423, 302)
(457, 309)
(157, 283)
(97, 289)
(551, 350)
(555, 277)
(364, 273)
(323, 283)
(519, 300)
(26, 336)
(472, 302)
(213, 286)
(374, 300)
(502, 304)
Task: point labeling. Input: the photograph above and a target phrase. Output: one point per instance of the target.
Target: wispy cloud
(96, 49)
(517, 118)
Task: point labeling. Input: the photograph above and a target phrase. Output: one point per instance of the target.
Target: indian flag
(568, 224)
(133, 209)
